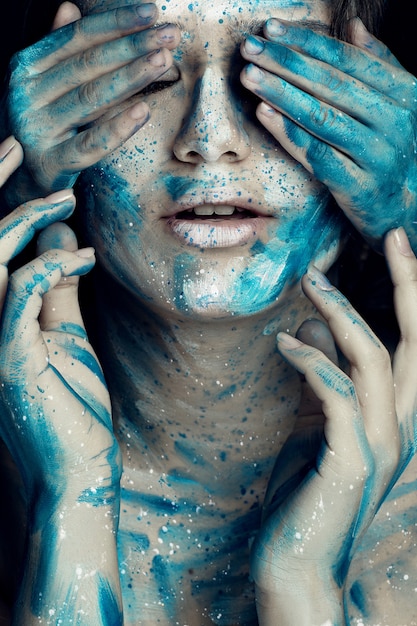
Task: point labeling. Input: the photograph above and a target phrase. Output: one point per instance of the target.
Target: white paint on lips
(216, 233)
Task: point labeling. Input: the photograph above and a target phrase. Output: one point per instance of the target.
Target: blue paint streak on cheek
(106, 179)
(284, 259)
(177, 186)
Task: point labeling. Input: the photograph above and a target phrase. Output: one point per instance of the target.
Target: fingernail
(318, 279)
(85, 253)
(266, 110)
(166, 33)
(139, 111)
(60, 196)
(254, 45)
(402, 243)
(6, 147)
(275, 27)
(146, 11)
(288, 342)
(156, 58)
(254, 74)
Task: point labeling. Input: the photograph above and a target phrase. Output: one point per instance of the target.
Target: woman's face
(202, 212)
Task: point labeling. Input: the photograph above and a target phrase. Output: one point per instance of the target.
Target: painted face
(202, 212)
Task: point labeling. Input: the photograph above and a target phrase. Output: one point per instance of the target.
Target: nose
(212, 129)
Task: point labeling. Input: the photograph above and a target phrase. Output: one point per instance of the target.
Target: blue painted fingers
(18, 227)
(338, 108)
(72, 78)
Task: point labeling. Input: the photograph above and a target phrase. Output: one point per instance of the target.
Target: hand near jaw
(43, 343)
(347, 113)
(311, 531)
(56, 418)
(70, 94)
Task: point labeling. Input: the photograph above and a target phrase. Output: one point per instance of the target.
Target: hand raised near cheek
(337, 107)
(18, 227)
(69, 93)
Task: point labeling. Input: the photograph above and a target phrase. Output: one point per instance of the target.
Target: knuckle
(90, 58)
(321, 115)
(119, 18)
(88, 94)
(376, 354)
(86, 142)
(334, 82)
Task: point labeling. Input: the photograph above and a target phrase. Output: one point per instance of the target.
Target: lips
(214, 212)
(216, 226)
(216, 218)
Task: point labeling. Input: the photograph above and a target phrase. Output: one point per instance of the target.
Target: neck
(194, 391)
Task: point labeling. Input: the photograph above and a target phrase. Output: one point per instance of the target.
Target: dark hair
(369, 11)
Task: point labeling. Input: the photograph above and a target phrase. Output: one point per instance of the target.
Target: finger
(27, 287)
(403, 268)
(87, 102)
(370, 365)
(66, 14)
(92, 30)
(351, 136)
(345, 178)
(101, 60)
(344, 429)
(11, 156)
(95, 143)
(60, 309)
(19, 227)
(328, 84)
(357, 62)
(316, 334)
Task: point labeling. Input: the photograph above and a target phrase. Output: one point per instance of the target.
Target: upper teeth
(210, 209)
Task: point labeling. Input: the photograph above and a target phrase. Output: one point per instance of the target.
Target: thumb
(66, 14)
(60, 307)
(317, 334)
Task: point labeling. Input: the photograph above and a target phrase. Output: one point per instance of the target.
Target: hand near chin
(55, 417)
(347, 112)
(58, 416)
(73, 96)
(330, 481)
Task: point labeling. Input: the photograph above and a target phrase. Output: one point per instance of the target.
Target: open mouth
(215, 213)
(216, 226)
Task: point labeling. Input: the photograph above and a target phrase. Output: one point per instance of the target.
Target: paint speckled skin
(206, 459)
(202, 400)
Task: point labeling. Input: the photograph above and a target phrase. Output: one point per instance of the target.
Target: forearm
(71, 570)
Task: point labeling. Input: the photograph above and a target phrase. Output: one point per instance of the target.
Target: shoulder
(382, 582)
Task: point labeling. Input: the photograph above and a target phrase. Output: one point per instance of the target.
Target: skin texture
(222, 446)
